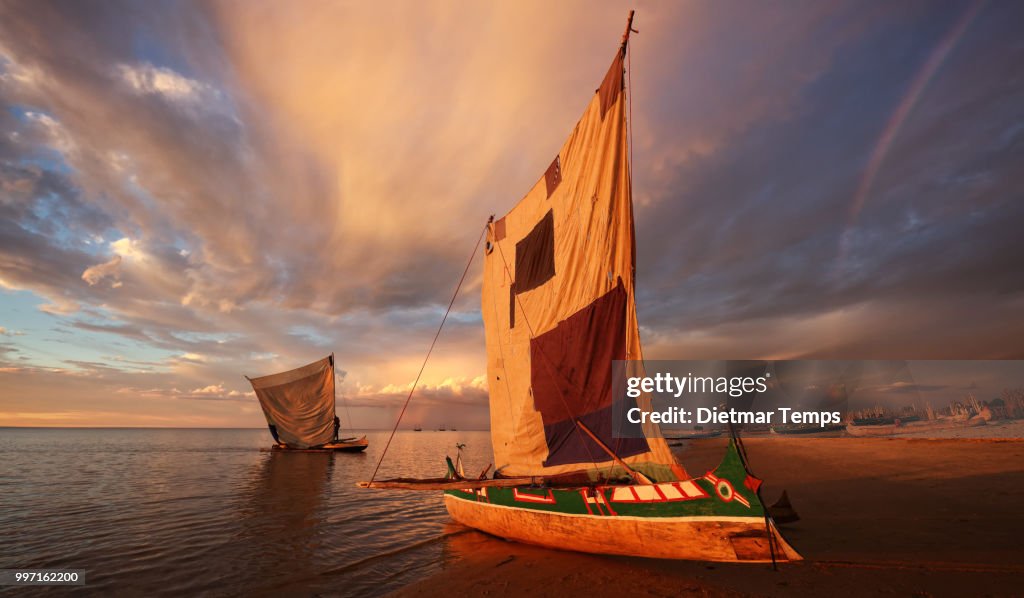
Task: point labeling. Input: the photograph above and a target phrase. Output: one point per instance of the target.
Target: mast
(629, 28)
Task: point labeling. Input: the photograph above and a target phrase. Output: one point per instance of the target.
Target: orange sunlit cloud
(197, 192)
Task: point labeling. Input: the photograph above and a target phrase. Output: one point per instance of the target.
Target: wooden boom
(568, 479)
(636, 475)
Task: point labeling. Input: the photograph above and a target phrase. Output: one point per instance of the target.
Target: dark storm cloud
(759, 231)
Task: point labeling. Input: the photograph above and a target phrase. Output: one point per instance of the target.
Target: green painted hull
(715, 517)
(677, 499)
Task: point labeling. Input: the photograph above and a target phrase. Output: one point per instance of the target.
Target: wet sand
(879, 516)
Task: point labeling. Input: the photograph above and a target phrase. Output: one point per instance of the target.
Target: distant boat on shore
(899, 427)
(692, 435)
(884, 420)
(559, 309)
(299, 407)
(809, 429)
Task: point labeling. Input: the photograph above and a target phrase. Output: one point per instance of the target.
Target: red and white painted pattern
(725, 491)
(547, 499)
(666, 492)
(596, 503)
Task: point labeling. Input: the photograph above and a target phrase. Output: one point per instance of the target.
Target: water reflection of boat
(284, 505)
(300, 411)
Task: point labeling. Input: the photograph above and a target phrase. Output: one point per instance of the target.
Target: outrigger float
(558, 308)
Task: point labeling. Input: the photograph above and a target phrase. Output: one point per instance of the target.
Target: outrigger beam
(450, 484)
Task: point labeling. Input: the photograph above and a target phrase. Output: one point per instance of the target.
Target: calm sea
(186, 511)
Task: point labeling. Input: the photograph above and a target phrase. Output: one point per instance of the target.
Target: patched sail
(299, 403)
(558, 307)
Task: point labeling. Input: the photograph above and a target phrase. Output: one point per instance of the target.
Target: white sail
(299, 403)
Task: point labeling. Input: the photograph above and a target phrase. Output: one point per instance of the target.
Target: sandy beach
(879, 516)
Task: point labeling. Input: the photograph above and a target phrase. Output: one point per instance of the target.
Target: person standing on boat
(337, 426)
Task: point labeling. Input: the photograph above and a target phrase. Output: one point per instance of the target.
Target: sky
(195, 192)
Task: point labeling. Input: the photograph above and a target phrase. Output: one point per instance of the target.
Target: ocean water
(160, 511)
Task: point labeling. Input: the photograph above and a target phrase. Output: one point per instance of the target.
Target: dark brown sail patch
(535, 255)
(571, 376)
(611, 87)
(553, 175)
(512, 305)
(567, 444)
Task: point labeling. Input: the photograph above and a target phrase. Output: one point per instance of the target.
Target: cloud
(174, 188)
(148, 79)
(218, 392)
(208, 390)
(454, 401)
(907, 388)
(94, 274)
(126, 330)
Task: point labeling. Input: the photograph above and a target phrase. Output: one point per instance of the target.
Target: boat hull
(916, 427)
(716, 517)
(701, 538)
(355, 445)
(809, 430)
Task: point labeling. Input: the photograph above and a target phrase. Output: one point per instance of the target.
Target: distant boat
(883, 420)
(808, 429)
(441, 429)
(558, 310)
(916, 426)
(697, 433)
(299, 407)
(417, 429)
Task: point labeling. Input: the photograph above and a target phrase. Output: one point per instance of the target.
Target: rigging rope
(348, 416)
(429, 351)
